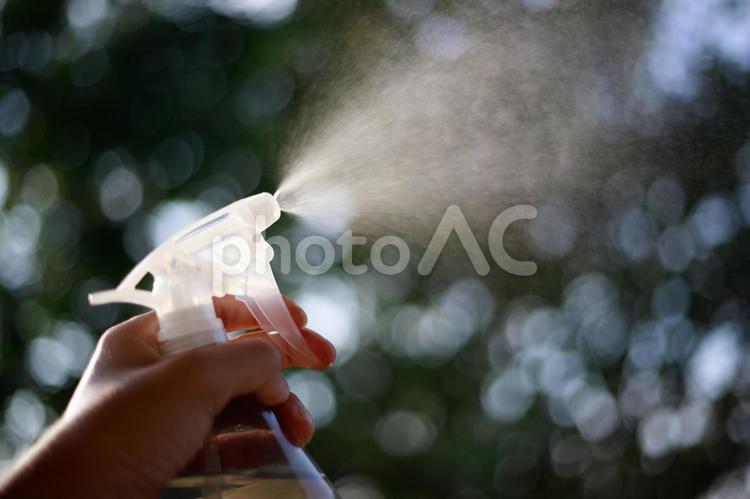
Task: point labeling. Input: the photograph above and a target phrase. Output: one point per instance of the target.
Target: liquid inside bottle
(249, 457)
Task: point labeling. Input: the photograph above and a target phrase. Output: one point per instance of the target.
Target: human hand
(136, 419)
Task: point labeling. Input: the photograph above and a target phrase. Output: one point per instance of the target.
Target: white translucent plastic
(185, 270)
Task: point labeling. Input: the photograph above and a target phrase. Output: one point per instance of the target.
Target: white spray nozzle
(190, 268)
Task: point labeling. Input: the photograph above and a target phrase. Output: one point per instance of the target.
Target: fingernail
(303, 412)
(281, 390)
(284, 386)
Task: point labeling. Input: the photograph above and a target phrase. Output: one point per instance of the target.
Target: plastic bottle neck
(190, 328)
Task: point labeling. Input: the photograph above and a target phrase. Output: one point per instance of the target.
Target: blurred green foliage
(111, 109)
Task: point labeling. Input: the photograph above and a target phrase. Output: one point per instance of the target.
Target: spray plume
(491, 105)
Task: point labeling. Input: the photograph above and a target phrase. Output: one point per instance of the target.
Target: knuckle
(195, 372)
(195, 365)
(275, 391)
(109, 337)
(124, 331)
(263, 352)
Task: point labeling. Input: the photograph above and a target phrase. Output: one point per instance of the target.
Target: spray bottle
(190, 268)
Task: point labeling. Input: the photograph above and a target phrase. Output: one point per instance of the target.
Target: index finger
(236, 316)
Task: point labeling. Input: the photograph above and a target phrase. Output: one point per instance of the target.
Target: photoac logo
(454, 221)
(233, 257)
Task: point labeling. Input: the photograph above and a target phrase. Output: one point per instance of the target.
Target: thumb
(218, 373)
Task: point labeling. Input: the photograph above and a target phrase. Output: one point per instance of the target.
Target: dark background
(120, 120)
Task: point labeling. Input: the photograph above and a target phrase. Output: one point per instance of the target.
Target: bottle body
(248, 456)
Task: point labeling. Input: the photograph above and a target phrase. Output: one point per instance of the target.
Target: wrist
(65, 462)
(50, 468)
